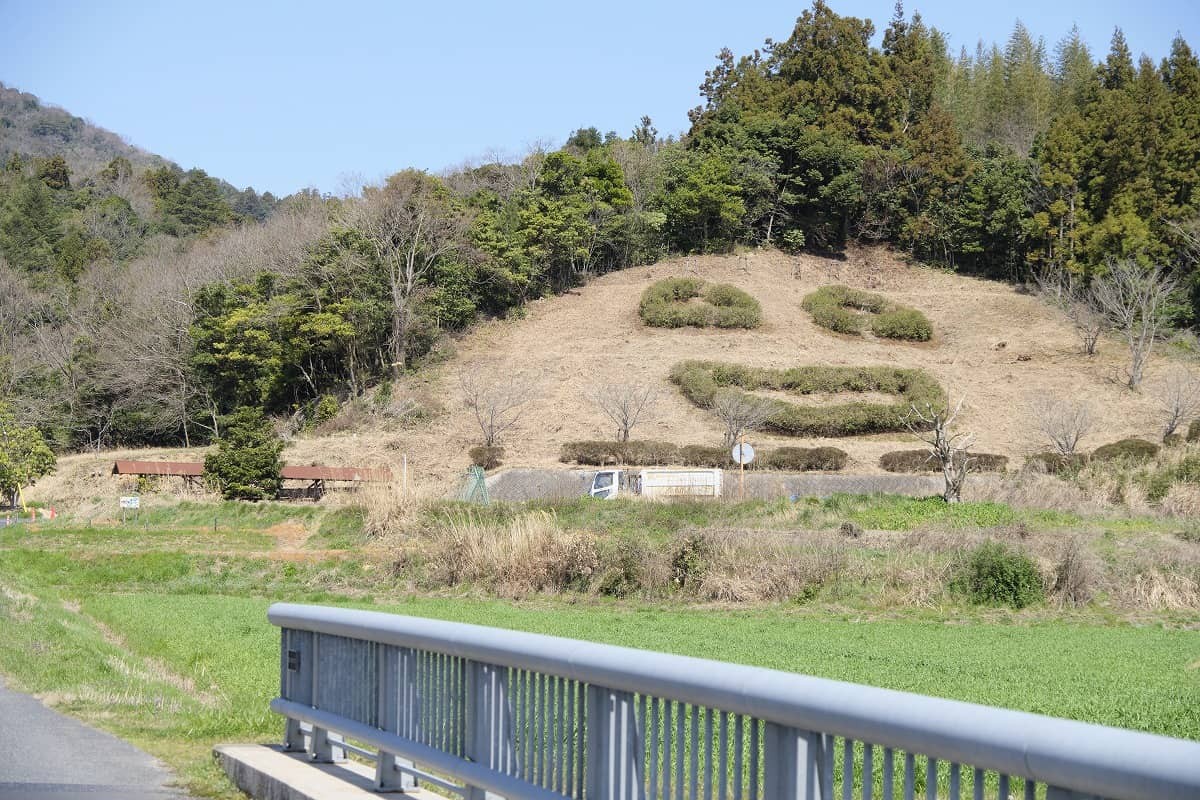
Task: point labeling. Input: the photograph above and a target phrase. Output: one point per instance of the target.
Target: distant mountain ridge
(32, 128)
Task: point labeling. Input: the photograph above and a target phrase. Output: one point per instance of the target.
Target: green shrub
(996, 575)
(902, 323)
(1056, 463)
(1186, 471)
(486, 457)
(246, 465)
(665, 304)
(650, 454)
(635, 453)
(920, 461)
(805, 459)
(701, 380)
(1172, 440)
(1193, 434)
(325, 409)
(845, 310)
(699, 455)
(1138, 450)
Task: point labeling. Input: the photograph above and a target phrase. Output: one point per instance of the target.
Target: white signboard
(742, 454)
(131, 502)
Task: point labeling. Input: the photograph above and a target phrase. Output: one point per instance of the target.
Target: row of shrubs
(845, 310)
(1138, 451)
(666, 304)
(641, 453)
(700, 381)
(920, 461)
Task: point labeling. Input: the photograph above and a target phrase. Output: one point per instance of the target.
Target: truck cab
(608, 483)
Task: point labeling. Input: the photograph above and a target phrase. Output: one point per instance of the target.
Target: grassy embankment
(158, 633)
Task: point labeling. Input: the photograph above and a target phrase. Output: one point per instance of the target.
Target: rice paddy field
(158, 632)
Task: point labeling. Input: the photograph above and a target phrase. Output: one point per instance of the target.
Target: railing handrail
(1083, 756)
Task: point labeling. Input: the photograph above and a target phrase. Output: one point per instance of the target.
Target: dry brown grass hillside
(992, 343)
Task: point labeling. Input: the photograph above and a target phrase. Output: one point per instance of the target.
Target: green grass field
(160, 634)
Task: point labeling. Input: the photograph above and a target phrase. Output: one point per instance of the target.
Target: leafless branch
(626, 404)
(1179, 396)
(740, 412)
(1135, 299)
(496, 404)
(1064, 422)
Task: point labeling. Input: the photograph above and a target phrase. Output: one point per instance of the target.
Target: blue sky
(284, 95)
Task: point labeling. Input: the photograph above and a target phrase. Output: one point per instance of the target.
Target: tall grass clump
(845, 310)
(525, 554)
(668, 304)
(700, 381)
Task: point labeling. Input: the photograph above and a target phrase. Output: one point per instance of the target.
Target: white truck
(658, 483)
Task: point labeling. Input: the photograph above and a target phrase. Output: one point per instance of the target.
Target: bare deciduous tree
(626, 404)
(740, 413)
(410, 223)
(496, 403)
(1135, 299)
(1064, 422)
(949, 450)
(1074, 298)
(1179, 396)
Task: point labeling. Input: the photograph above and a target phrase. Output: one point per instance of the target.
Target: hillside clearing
(999, 347)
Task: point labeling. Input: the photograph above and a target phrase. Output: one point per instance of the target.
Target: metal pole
(741, 469)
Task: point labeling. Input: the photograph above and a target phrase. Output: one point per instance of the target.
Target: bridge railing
(483, 711)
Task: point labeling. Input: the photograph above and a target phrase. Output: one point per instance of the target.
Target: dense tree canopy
(1009, 161)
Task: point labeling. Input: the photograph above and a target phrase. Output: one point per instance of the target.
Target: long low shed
(316, 475)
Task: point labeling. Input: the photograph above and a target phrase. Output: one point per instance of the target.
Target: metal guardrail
(486, 711)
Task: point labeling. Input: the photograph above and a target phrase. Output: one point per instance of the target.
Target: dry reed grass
(529, 553)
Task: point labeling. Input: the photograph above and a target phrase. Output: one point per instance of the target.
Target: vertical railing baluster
(848, 769)
(1030, 789)
(723, 775)
(977, 784)
(955, 781)
(889, 768)
(708, 754)
(681, 746)
(652, 733)
(931, 778)
(694, 757)
(755, 774)
(582, 740)
(739, 753)
(569, 737)
(910, 768)
(1002, 791)
(868, 771)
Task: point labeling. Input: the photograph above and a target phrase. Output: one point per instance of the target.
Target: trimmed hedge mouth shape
(701, 381)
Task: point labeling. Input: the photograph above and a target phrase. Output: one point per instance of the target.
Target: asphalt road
(47, 756)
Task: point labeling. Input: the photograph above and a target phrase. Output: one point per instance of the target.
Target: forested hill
(33, 130)
(141, 306)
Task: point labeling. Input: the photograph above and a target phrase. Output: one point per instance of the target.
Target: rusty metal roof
(318, 473)
(288, 473)
(175, 468)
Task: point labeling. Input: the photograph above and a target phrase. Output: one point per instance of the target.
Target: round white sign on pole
(742, 453)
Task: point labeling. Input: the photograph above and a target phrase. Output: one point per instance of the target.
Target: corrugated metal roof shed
(318, 473)
(174, 468)
(290, 473)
